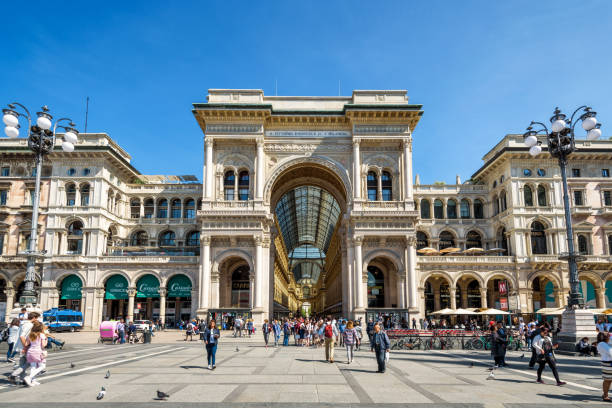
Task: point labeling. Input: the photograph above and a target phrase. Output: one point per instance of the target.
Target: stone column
(358, 275)
(141, 212)
(401, 292)
(347, 274)
(411, 261)
(205, 281)
(437, 299)
(453, 298)
(600, 297)
(162, 305)
(10, 303)
(379, 187)
(259, 177)
(356, 170)
(208, 187)
(130, 311)
(214, 289)
(258, 273)
(483, 298)
(407, 145)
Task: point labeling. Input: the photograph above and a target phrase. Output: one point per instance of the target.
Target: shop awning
(116, 287)
(147, 287)
(71, 287)
(179, 286)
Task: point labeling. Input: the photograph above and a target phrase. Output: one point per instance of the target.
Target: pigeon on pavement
(471, 365)
(523, 355)
(107, 374)
(72, 365)
(491, 376)
(237, 349)
(101, 394)
(162, 395)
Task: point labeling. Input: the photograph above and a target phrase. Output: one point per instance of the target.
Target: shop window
(376, 287)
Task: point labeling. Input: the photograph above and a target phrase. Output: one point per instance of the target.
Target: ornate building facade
(307, 205)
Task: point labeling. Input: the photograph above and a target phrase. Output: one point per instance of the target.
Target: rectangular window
(32, 197)
(6, 171)
(386, 194)
(243, 194)
(229, 194)
(575, 172)
(371, 194)
(33, 172)
(578, 198)
(1, 243)
(3, 197)
(607, 198)
(605, 172)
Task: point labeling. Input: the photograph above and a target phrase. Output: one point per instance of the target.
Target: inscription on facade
(308, 133)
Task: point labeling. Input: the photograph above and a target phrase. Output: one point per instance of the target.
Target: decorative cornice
(234, 128)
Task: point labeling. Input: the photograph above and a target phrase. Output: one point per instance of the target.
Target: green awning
(147, 287)
(116, 288)
(71, 287)
(179, 286)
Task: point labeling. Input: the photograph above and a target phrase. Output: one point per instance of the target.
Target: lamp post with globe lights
(561, 144)
(41, 140)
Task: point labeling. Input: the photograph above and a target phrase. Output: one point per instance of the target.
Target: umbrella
(474, 250)
(427, 250)
(492, 312)
(607, 312)
(494, 250)
(551, 311)
(461, 312)
(443, 312)
(450, 250)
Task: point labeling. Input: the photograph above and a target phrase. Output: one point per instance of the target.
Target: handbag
(386, 356)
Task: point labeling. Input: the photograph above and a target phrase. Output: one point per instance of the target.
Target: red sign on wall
(502, 287)
(503, 303)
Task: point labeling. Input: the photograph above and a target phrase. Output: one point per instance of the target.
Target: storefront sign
(71, 287)
(502, 287)
(147, 287)
(503, 303)
(116, 288)
(179, 286)
(240, 285)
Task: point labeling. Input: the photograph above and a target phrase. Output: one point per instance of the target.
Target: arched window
(610, 244)
(502, 240)
(425, 209)
(139, 238)
(538, 238)
(241, 287)
(465, 208)
(193, 239)
(229, 181)
(541, 196)
(71, 195)
(162, 208)
(149, 208)
(422, 240)
(473, 240)
(386, 183)
(473, 294)
(451, 209)
(528, 194)
(478, 209)
(175, 208)
(75, 238)
(502, 201)
(583, 246)
(372, 184)
(134, 208)
(447, 240)
(438, 209)
(85, 195)
(167, 238)
(189, 211)
(495, 205)
(243, 186)
(376, 287)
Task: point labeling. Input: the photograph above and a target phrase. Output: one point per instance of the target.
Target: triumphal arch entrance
(308, 206)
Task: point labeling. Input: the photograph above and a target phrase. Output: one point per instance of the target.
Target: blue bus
(63, 319)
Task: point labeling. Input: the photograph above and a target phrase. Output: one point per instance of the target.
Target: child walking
(36, 354)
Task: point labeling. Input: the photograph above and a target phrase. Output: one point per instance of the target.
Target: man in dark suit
(380, 344)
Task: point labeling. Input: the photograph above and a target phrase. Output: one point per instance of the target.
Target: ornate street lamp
(41, 140)
(561, 143)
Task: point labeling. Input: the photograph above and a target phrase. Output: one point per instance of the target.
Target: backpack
(329, 332)
(4, 335)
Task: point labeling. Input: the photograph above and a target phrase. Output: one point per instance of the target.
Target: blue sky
(481, 69)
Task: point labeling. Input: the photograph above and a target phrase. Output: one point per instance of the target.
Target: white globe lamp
(43, 122)
(70, 137)
(589, 123)
(531, 140)
(67, 147)
(535, 150)
(12, 131)
(594, 134)
(558, 125)
(10, 120)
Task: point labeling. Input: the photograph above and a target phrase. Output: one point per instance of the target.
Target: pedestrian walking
(350, 340)
(189, 331)
(266, 329)
(202, 328)
(545, 351)
(286, 332)
(211, 338)
(238, 327)
(36, 355)
(249, 327)
(414, 326)
(359, 335)
(331, 332)
(13, 338)
(370, 329)
(532, 335)
(497, 346)
(121, 331)
(276, 328)
(380, 345)
(605, 351)
(25, 326)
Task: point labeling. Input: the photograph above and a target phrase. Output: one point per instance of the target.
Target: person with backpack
(286, 332)
(350, 340)
(11, 336)
(330, 332)
(545, 350)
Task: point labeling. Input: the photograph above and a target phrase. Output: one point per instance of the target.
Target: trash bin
(147, 336)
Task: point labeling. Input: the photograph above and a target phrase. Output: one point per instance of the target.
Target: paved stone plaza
(291, 376)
